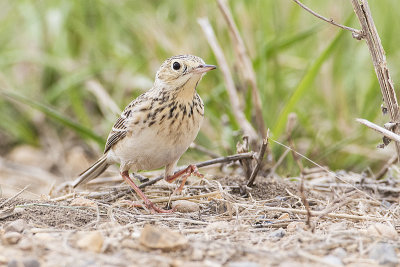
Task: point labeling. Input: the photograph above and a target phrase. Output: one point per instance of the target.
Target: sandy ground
(353, 220)
(215, 226)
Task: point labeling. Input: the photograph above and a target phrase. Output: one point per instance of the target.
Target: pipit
(157, 127)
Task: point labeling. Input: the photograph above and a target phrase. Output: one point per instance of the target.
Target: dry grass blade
(385, 168)
(257, 168)
(230, 84)
(107, 103)
(174, 198)
(331, 215)
(13, 197)
(246, 67)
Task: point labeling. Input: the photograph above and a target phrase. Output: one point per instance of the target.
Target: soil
(229, 226)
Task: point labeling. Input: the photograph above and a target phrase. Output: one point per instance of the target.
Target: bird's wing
(120, 128)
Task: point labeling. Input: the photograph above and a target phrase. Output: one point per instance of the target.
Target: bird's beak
(203, 68)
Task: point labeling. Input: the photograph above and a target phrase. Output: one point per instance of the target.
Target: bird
(157, 127)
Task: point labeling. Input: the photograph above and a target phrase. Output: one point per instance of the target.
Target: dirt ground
(354, 222)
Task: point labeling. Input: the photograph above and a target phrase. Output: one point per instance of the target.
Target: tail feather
(92, 172)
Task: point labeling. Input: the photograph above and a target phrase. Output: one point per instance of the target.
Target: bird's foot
(150, 206)
(146, 202)
(185, 173)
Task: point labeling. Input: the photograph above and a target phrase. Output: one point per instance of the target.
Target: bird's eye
(176, 65)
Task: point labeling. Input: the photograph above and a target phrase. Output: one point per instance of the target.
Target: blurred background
(68, 67)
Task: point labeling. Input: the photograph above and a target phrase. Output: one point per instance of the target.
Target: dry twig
(361, 8)
(389, 134)
(256, 169)
(356, 33)
(122, 192)
(13, 197)
(385, 168)
(331, 215)
(246, 67)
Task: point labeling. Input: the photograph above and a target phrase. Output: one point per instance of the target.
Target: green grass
(49, 50)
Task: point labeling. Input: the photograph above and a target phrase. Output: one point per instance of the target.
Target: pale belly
(148, 148)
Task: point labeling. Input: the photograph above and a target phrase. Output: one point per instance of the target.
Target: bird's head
(182, 71)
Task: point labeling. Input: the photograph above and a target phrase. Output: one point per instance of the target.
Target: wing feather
(120, 128)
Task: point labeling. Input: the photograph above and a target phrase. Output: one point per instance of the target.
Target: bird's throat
(187, 91)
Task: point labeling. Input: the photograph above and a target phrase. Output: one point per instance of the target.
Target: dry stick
(198, 165)
(174, 198)
(385, 168)
(204, 150)
(246, 67)
(257, 168)
(230, 84)
(373, 187)
(339, 203)
(279, 161)
(331, 215)
(356, 33)
(13, 197)
(389, 134)
(204, 164)
(375, 47)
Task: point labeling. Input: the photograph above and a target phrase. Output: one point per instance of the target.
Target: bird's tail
(92, 172)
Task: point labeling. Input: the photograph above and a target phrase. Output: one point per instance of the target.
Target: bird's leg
(150, 205)
(185, 173)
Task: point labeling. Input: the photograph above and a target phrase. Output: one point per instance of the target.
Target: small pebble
(25, 244)
(295, 226)
(339, 252)
(129, 243)
(277, 234)
(243, 264)
(82, 202)
(185, 206)
(92, 241)
(384, 253)
(197, 254)
(382, 230)
(11, 238)
(15, 226)
(31, 263)
(155, 237)
(332, 260)
(284, 216)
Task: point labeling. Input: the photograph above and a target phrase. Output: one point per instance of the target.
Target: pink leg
(191, 169)
(150, 205)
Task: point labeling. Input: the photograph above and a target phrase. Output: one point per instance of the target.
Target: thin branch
(374, 187)
(389, 134)
(377, 52)
(226, 159)
(174, 198)
(246, 67)
(385, 168)
(257, 168)
(330, 215)
(204, 150)
(356, 33)
(230, 84)
(14, 197)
